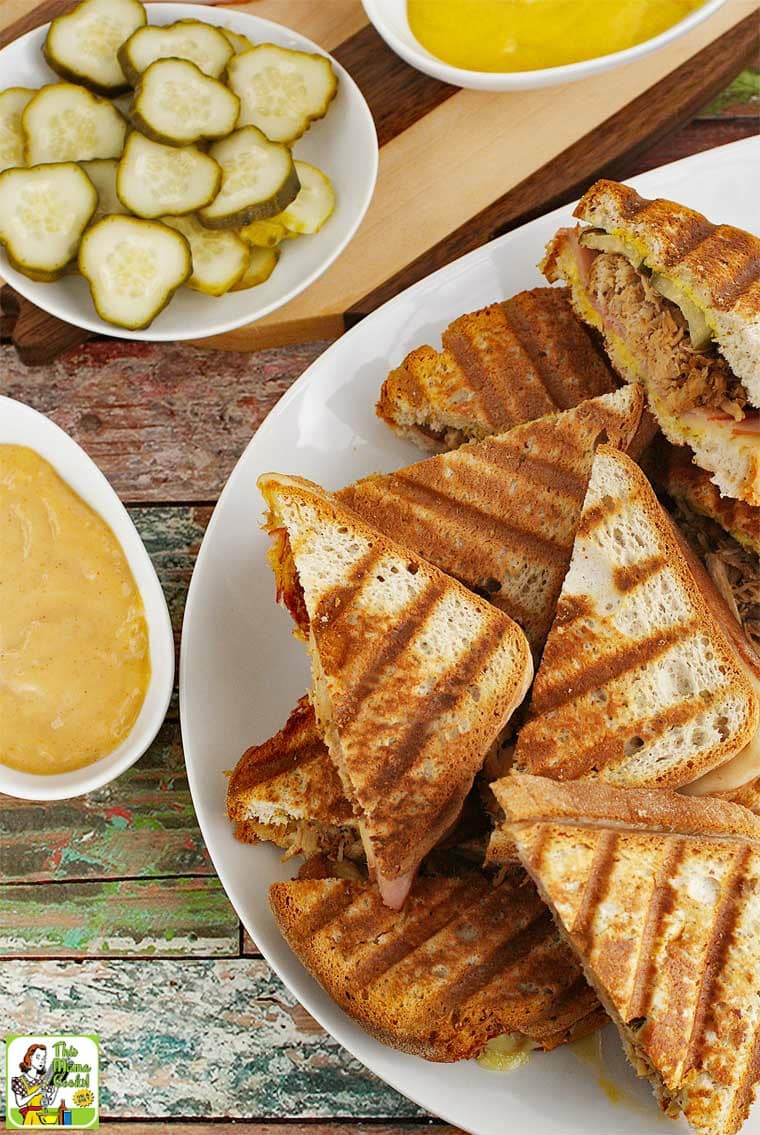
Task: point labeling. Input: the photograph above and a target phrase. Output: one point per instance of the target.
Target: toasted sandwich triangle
(464, 962)
(638, 684)
(414, 676)
(500, 514)
(659, 895)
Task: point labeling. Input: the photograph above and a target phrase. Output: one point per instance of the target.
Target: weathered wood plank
(165, 422)
(408, 1128)
(132, 917)
(172, 535)
(141, 825)
(200, 1039)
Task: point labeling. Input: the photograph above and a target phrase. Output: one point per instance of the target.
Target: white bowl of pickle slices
(174, 171)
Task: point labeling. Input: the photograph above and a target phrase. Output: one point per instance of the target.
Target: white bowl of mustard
(514, 45)
(86, 644)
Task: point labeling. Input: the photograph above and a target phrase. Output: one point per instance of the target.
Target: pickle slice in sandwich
(264, 234)
(102, 174)
(262, 264)
(314, 203)
(133, 267)
(154, 180)
(43, 213)
(220, 258)
(258, 180)
(12, 105)
(82, 45)
(281, 91)
(177, 104)
(205, 46)
(66, 123)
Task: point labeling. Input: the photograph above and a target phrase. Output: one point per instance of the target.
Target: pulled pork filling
(734, 570)
(656, 332)
(289, 589)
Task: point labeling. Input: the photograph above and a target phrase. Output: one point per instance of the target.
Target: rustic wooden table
(111, 917)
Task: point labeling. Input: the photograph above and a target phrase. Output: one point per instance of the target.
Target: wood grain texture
(204, 1038)
(396, 94)
(163, 421)
(131, 917)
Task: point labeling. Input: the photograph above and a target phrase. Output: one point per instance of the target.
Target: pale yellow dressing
(589, 1050)
(74, 647)
(526, 35)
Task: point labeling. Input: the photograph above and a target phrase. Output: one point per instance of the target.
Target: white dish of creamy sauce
(86, 644)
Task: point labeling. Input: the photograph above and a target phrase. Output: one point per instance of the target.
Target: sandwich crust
(638, 684)
(414, 676)
(464, 962)
(659, 895)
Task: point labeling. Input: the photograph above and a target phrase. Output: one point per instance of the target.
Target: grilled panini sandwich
(464, 962)
(509, 363)
(500, 514)
(287, 791)
(725, 534)
(677, 300)
(414, 676)
(692, 488)
(638, 684)
(659, 895)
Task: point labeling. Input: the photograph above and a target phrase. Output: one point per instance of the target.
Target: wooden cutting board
(455, 165)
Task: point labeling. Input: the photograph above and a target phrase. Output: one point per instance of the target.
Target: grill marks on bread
(501, 366)
(500, 514)
(660, 896)
(414, 675)
(463, 962)
(637, 684)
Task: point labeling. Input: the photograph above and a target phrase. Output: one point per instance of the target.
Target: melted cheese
(74, 651)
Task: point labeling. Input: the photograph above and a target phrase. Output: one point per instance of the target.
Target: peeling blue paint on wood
(144, 917)
(196, 1039)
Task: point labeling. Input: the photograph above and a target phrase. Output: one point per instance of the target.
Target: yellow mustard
(74, 647)
(526, 35)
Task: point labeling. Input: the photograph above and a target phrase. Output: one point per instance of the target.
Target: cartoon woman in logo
(33, 1089)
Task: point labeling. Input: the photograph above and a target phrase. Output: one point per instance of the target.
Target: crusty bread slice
(464, 962)
(718, 266)
(506, 364)
(638, 684)
(692, 487)
(726, 448)
(500, 514)
(659, 895)
(414, 675)
(287, 791)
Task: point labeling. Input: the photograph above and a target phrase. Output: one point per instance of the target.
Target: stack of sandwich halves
(477, 864)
